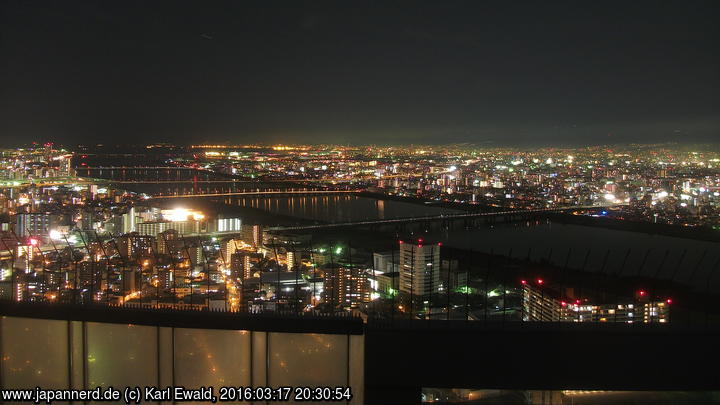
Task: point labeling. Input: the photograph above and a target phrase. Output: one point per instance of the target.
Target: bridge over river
(441, 217)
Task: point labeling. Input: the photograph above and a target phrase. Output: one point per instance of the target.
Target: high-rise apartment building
(346, 286)
(35, 223)
(419, 267)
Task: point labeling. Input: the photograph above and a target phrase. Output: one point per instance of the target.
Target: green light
(321, 250)
(465, 290)
(338, 250)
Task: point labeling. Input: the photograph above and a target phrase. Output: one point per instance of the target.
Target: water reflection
(338, 208)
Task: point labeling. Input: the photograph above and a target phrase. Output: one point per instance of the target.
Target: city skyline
(454, 241)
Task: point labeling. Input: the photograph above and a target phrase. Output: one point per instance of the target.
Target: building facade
(543, 304)
(419, 267)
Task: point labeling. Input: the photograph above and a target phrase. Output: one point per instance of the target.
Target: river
(592, 248)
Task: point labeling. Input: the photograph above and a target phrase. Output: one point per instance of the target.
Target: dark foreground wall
(401, 359)
(59, 347)
(385, 363)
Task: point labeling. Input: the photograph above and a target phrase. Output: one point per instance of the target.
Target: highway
(241, 193)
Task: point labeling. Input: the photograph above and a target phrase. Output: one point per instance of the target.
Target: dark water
(338, 208)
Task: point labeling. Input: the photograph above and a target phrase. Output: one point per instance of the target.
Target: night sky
(496, 73)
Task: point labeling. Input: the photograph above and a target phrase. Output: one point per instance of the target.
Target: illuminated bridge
(441, 217)
(138, 168)
(178, 181)
(384, 362)
(261, 192)
(120, 174)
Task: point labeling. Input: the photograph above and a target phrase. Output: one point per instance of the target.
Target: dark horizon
(497, 73)
(673, 145)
